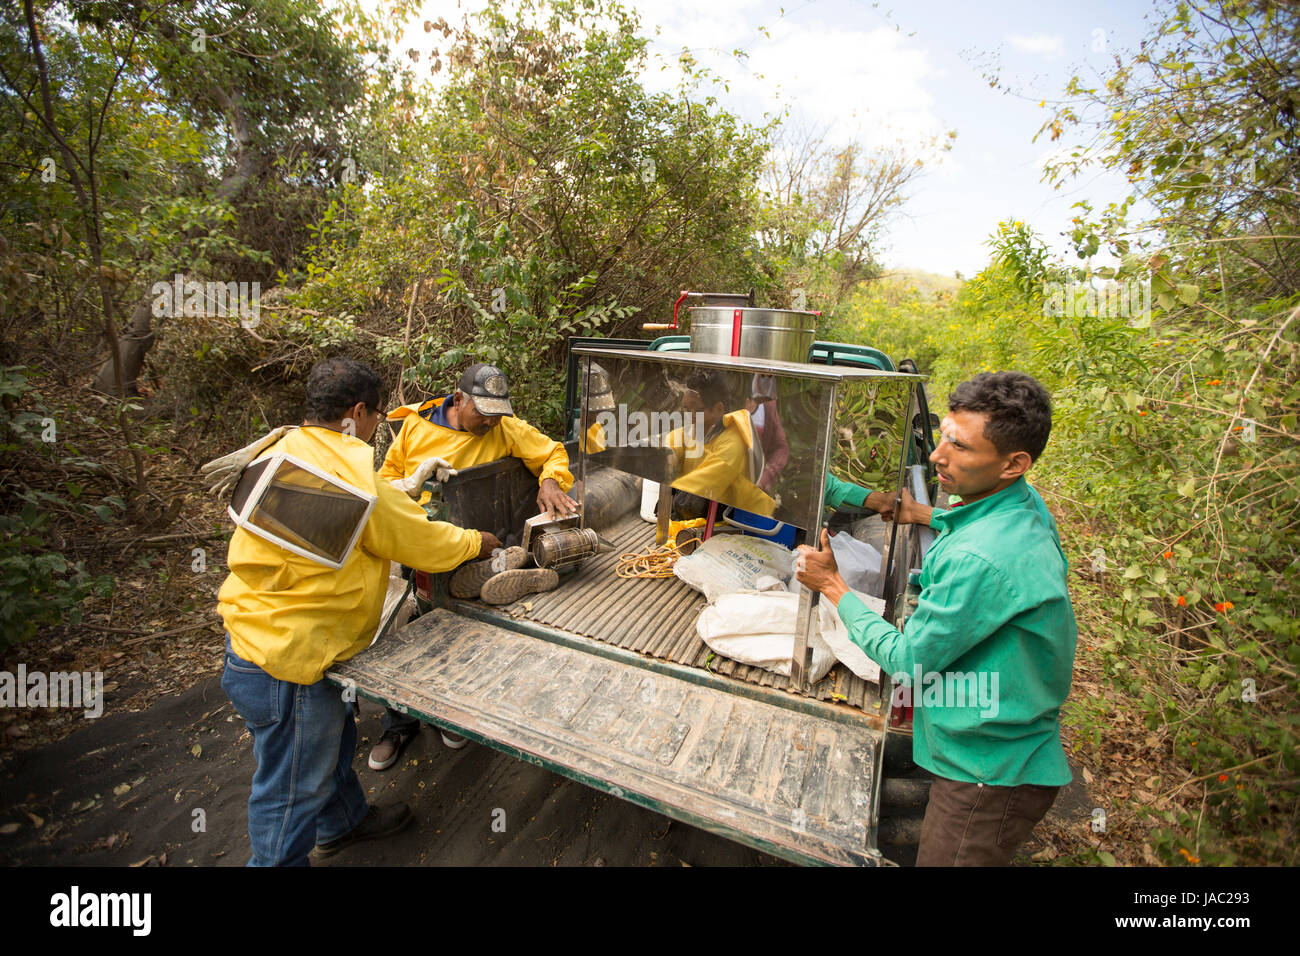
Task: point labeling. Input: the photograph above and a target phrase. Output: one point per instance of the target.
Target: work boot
(379, 822)
(509, 586)
(469, 578)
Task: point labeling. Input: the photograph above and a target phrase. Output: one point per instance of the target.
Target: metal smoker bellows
(558, 542)
(560, 549)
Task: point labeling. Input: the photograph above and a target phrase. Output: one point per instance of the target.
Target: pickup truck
(604, 679)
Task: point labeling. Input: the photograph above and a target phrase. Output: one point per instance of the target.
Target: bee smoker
(558, 543)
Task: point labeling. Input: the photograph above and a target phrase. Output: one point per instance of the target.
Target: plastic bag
(859, 562)
(836, 636)
(733, 562)
(396, 588)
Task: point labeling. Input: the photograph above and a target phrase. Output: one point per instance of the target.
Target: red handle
(676, 305)
(680, 299)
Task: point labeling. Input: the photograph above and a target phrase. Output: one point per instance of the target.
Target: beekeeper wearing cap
(474, 425)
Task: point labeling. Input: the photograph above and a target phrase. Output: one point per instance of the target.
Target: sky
(905, 73)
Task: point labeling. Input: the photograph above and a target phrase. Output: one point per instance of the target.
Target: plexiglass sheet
(870, 420)
(752, 441)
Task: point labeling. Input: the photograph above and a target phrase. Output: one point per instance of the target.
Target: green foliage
(1202, 123)
(1189, 457)
(896, 317)
(38, 584)
(536, 303)
(542, 193)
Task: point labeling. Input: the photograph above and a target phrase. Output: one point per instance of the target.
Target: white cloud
(862, 83)
(1046, 45)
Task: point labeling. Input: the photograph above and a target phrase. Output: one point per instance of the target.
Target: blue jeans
(402, 723)
(304, 789)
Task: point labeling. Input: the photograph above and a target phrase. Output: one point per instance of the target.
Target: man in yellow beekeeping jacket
(290, 617)
(727, 465)
(472, 426)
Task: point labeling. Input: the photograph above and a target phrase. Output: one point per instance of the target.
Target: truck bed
(784, 775)
(656, 618)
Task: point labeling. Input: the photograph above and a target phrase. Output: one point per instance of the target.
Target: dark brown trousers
(974, 824)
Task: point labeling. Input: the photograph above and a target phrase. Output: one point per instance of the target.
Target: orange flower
(1182, 600)
(1228, 605)
(1214, 381)
(1223, 778)
(1187, 856)
(1143, 412)
(1220, 608)
(1168, 555)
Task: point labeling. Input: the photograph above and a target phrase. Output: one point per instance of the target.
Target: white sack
(836, 636)
(733, 562)
(757, 627)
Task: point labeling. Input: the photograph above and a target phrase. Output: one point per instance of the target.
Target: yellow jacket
(592, 441)
(294, 618)
(512, 437)
(722, 470)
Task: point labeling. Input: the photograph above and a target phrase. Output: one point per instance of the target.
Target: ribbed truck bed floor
(797, 780)
(657, 617)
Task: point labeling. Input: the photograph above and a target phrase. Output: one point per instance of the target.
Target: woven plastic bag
(729, 563)
(757, 628)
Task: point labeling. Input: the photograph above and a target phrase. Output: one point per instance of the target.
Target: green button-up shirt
(989, 651)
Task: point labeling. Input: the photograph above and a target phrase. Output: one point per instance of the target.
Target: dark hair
(711, 384)
(1019, 410)
(336, 384)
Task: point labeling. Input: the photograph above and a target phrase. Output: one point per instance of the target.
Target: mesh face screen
(248, 480)
(296, 507)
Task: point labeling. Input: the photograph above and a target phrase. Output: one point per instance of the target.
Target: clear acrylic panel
(751, 440)
(870, 422)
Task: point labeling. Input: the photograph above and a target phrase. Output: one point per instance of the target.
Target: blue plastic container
(760, 526)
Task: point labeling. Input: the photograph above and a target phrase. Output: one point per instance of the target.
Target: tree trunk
(139, 337)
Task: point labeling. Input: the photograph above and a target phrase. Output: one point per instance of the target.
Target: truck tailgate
(785, 780)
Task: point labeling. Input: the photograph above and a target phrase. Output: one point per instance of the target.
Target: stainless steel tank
(781, 334)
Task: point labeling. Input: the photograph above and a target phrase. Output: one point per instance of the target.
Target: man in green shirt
(988, 653)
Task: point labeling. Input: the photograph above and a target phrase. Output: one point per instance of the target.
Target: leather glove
(439, 468)
(223, 472)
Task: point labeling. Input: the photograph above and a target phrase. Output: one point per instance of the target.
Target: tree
(255, 87)
(1183, 439)
(829, 206)
(542, 192)
(274, 76)
(1202, 121)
